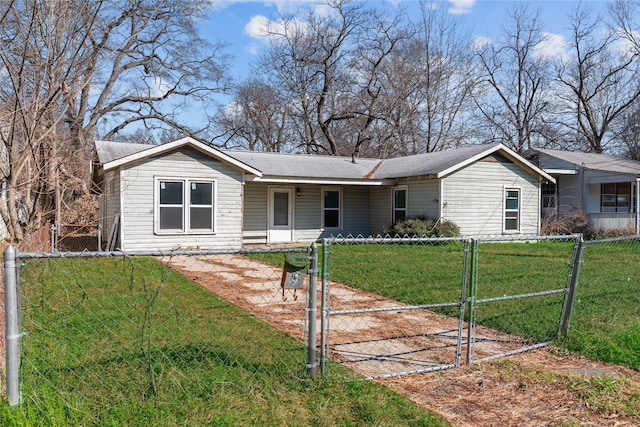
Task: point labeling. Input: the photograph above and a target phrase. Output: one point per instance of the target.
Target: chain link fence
(605, 321)
(76, 238)
(99, 328)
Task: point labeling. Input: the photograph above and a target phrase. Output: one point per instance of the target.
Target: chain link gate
(386, 324)
(516, 279)
(422, 305)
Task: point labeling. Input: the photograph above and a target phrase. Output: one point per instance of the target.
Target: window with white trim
(331, 209)
(185, 206)
(512, 209)
(399, 204)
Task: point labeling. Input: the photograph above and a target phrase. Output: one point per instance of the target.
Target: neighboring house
(604, 187)
(186, 194)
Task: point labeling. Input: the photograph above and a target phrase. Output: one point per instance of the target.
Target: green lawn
(607, 316)
(606, 319)
(130, 342)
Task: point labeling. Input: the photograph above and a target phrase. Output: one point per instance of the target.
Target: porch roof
(593, 161)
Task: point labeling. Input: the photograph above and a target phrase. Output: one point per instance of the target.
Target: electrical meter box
(294, 271)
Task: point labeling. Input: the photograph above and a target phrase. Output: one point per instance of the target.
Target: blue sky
(237, 22)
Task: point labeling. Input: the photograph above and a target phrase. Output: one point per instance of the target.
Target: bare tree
(602, 79)
(515, 102)
(444, 82)
(70, 67)
(328, 69)
(256, 119)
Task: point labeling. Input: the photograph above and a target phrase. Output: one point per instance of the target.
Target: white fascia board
(320, 181)
(159, 149)
(515, 157)
(561, 171)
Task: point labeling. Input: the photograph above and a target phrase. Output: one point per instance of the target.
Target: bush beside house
(423, 227)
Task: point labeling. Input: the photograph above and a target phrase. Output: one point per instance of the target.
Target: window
(615, 197)
(511, 209)
(185, 206)
(331, 214)
(548, 195)
(399, 204)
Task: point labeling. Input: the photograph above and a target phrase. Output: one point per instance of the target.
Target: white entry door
(280, 215)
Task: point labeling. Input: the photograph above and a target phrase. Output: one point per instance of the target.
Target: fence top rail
(527, 237)
(406, 239)
(389, 239)
(622, 239)
(158, 253)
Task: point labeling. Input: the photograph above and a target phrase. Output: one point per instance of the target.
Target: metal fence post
(576, 264)
(473, 289)
(99, 237)
(53, 237)
(12, 333)
(323, 306)
(463, 300)
(312, 363)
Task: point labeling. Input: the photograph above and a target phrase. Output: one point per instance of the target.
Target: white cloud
(554, 46)
(262, 28)
(625, 47)
(461, 7)
(257, 27)
(158, 87)
(479, 42)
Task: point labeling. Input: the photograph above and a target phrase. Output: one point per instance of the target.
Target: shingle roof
(306, 166)
(300, 166)
(429, 163)
(107, 151)
(601, 162)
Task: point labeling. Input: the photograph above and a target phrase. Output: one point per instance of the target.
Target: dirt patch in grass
(541, 387)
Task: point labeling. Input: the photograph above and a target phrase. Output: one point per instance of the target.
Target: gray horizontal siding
(473, 198)
(379, 209)
(307, 210)
(424, 198)
(138, 195)
(255, 212)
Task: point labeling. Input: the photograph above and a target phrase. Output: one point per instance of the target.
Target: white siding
(109, 203)
(138, 195)
(474, 198)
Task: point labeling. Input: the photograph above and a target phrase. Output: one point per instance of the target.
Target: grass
(129, 342)
(605, 324)
(607, 316)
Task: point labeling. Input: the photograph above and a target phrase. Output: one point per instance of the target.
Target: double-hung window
(331, 209)
(512, 209)
(399, 204)
(185, 206)
(616, 197)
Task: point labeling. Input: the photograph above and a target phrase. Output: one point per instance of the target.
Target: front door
(280, 215)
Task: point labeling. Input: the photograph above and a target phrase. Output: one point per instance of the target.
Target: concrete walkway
(371, 343)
